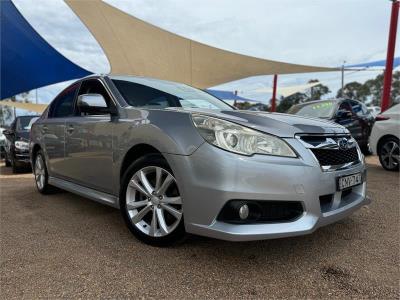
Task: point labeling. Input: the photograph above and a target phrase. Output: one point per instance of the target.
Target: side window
(357, 108)
(345, 106)
(63, 105)
(139, 95)
(365, 109)
(94, 86)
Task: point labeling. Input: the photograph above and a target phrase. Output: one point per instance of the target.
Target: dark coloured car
(17, 143)
(351, 114)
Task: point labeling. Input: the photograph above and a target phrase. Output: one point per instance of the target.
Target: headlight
(21, 145)
(239, 139)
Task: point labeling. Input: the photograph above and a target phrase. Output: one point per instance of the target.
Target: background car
(2, 143)
(384, 140)
(17, 143)
(374, 110)
(351, 114)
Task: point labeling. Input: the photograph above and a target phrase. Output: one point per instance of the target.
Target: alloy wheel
(40, 173)
(153, 202)
(390, 154)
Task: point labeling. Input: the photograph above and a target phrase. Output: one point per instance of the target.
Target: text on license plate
(349, 181)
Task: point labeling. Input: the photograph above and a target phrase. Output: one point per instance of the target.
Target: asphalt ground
(65, 246)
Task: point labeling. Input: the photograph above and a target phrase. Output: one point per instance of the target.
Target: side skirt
(86, 192)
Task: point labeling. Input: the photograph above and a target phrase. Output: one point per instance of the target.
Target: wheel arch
(35, 150)
(135, 153)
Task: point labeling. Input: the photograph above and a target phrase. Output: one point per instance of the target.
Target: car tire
(41, 175)
(388, 153)
(150, 202)
(15, 166)
(365, 149)
(7, 161)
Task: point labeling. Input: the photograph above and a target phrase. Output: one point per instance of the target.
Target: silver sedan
(177, 160)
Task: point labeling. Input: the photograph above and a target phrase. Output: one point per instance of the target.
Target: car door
(89, 143)
(346, 118)
(364, 122)
(52, 130)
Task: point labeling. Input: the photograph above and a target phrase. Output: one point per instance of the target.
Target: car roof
(148, 81)
(25, 116)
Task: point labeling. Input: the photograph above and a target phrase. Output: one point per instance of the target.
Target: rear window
(316, 110)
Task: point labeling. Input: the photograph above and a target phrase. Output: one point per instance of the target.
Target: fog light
(244, 212)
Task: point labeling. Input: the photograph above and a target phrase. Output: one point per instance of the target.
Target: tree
(317, 91)
(354, 90)
(288, 102)
(372, 89)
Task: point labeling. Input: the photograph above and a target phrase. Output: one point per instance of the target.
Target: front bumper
(22, 157)
(210, 177)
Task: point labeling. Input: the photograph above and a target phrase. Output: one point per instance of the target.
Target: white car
(384, 139)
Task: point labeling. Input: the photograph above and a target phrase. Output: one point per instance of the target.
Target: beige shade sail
(286, 91)
(38, 108)
(134, 47)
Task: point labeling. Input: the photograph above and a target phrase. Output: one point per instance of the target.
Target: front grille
(333, 157)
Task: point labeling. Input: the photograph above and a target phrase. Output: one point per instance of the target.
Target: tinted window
(322, 109)
(63, 105)
(345, 106)
(357, 108)
(167, 94)
(25, 123)
(139, 95)
(94, 86)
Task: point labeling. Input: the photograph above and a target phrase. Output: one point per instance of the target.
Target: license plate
(349, 181)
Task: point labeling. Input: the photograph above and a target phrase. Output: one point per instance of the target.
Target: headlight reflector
(239, 139)
(21, 145)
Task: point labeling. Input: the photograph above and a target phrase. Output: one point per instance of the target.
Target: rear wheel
(151, 203)
(389, 154)
(41, 174)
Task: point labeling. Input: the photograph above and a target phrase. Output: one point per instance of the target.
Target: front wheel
(389, 154)
(150, 202)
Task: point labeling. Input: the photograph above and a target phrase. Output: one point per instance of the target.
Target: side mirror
(94, 104)
(343, 114)
(8, 133)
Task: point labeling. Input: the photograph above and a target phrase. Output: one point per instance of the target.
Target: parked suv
(17, 143)
(351, 114)
(175, 159)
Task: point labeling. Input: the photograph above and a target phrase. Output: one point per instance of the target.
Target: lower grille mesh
(332, 157)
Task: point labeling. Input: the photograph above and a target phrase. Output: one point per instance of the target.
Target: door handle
(44, 129)
(70, 129)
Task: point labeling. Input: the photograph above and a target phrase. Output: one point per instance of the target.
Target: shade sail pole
(387, 81)
(273, 100)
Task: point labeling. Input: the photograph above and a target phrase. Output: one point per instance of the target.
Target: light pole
(273, 100)
(342, 92)
(387, 81)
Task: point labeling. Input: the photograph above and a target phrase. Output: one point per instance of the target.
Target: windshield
(25, 123)
(163, 94)
(317, 109)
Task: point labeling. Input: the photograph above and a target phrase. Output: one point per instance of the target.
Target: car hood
(282, 125)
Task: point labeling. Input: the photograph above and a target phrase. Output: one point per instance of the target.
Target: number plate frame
(358, 179)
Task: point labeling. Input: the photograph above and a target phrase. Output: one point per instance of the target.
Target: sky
(314, 32)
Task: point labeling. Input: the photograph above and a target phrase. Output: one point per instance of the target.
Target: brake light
(381, 118)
